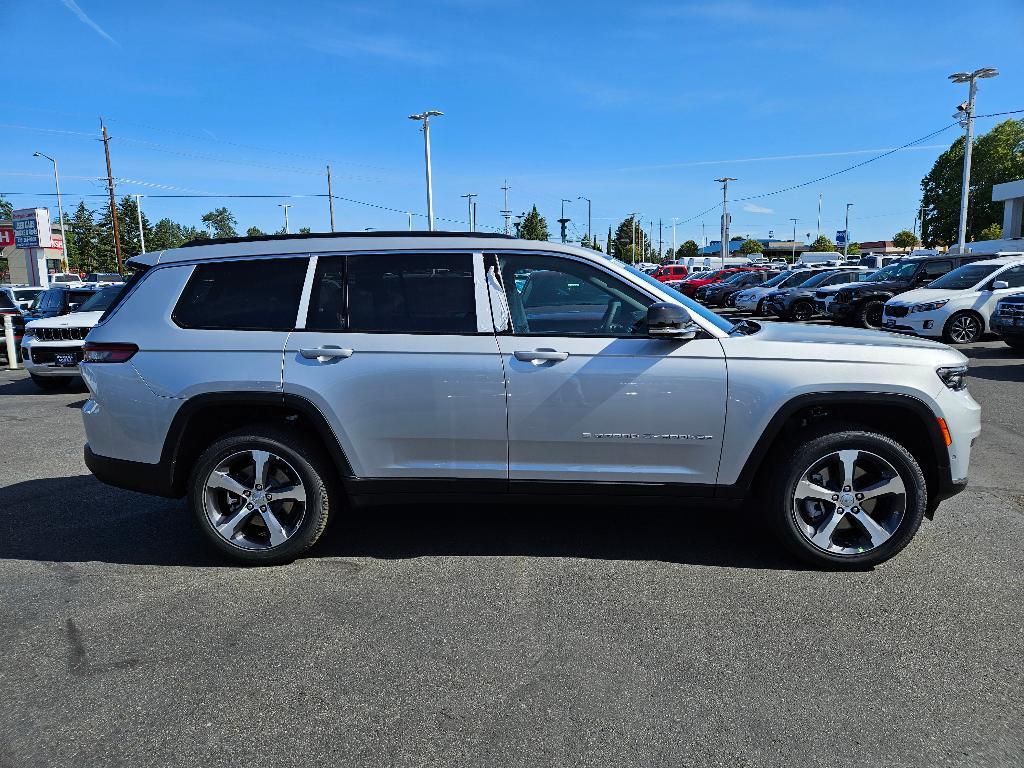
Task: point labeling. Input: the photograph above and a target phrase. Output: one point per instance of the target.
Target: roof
(341, 242)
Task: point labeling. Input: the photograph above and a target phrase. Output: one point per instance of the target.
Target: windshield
(896, 271)
(735, 278)
(693, 307)
(964, 277)
(775, 280)
(100, 300)
(795, 278)
(818, 279)
(26, 294)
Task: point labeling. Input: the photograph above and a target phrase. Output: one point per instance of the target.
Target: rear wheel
(50, 382)
(850, 499)
(870, 314)
(963, 328)
(759, 310)
(260, 495)
(802, 310)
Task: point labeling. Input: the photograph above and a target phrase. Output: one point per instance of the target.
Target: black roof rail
(315, 235)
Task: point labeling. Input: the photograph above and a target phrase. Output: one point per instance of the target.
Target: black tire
(50, 382)
(803, 455)
(309, 463)
(759, 309)
(870, 314)
(963, 328)
(801, 311)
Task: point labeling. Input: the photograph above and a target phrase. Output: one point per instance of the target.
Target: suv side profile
(276, 381)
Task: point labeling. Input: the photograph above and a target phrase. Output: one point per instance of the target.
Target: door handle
(538, 356)
(323, 354)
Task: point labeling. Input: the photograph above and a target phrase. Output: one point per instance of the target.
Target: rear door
(398, 352)
(590, 397)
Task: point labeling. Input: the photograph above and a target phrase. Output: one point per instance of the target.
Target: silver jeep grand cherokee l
(276, 380)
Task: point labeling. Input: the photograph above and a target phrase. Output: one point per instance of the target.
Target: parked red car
(667, 272)
(689, 287)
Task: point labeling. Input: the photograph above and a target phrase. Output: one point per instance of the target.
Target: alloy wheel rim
(873, 317)
(963, 329)
(849, 502)
(254, 500)
(801, 312)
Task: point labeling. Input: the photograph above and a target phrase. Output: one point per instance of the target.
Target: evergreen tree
(991, 232)
(6, 209)
(165, 234)
(222, 221)
(623, 246)
(534, 226)
(585, 242)
(254, 232)
(128, 221)
(822, 245)
(82, 237)
(687, 250)
(608, 242)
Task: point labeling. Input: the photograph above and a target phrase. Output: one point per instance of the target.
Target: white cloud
(72, 6)
(751, 208)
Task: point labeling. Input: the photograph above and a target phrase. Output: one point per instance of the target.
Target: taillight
(97, 352)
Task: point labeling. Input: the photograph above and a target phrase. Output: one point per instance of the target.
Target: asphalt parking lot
(501, 636)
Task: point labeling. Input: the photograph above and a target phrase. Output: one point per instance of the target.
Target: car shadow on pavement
(78, 519)
(26, 386)
(997, 372)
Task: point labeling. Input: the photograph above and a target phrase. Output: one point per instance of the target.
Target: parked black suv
(862, 303)
(716, 294)
(1008, 320)
(797, 303)
(59, 300)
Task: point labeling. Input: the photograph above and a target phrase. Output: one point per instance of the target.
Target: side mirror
(999, 285)
(670, 321)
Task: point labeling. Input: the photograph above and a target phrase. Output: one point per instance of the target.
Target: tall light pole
(966, 112)
(563, 221)
(590, 231)
(506, 212)
(675, 220)
(286, 207)
(724, 181)
(846, 238)
(424, 117)
(632, 229)
(60, 207)
(819, 214)
(794, 240)
(469, 202)
(138, 211)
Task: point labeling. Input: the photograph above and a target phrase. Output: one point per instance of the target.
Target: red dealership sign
(6, 236)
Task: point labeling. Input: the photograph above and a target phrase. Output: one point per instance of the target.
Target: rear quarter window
(244, 295)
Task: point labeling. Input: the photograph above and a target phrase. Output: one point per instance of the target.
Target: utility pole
(966, 113)
(113, 203)
(724, 181)
(563, 221)
(650, 239)
(424, 117)
(675, 219)
(286, 207)
(846, 238)
(469, 204)
(138, 211)
(409, 214)
(632, 229)
(330, 196)
(506, 211)
(590, 231)
(794, 240)
(819, 214)
(661, 242)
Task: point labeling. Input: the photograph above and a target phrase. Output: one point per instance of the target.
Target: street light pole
(846, 237)
(965, 187)
(60, 207)
(724, 181)
(819, 214)
(286, 207)
(590, 231)
(563, 221)
(138, 211)
(469, 202)
(424, 117)
(794, 241)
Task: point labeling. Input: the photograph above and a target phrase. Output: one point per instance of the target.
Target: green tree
(304, 230)
(750, 247)
(585, 242)
(670, 254)
(997, 157)
(822, 245)
(534, 226)
(608, 242)
(687, 250)
(736, 239)
(905, 239)
(853, 249)
(6, 209)
(83, 240)
(254, 232)
(991, 232)
(222, 221)
(128, 221)
(164, 235)
(623, 246)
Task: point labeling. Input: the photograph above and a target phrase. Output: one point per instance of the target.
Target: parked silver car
(267, 378)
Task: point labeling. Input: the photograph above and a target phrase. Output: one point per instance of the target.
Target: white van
(818, 257)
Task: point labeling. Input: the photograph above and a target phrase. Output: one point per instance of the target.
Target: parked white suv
(958, 306)
(267, 378)
(52, 346)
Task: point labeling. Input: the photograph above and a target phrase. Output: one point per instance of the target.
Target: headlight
(929, 306)
(954, 377)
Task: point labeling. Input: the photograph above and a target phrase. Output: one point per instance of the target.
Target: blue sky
(638, 106)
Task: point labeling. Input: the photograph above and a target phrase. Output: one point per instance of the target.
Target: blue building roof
(714, 247)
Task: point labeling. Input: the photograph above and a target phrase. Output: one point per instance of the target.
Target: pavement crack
(79, 664)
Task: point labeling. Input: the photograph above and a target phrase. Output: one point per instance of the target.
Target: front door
(590, 397)
(398, 352)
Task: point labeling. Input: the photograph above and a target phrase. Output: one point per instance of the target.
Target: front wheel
(802, 310)
(848, 500)
(870, 315)
(759, 310)
(260, 495)
(962, 328)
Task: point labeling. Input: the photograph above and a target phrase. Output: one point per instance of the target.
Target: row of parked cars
(956, 298)
(50, 325)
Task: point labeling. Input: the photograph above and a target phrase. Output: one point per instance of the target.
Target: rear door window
(933, 269)
(245, 295)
